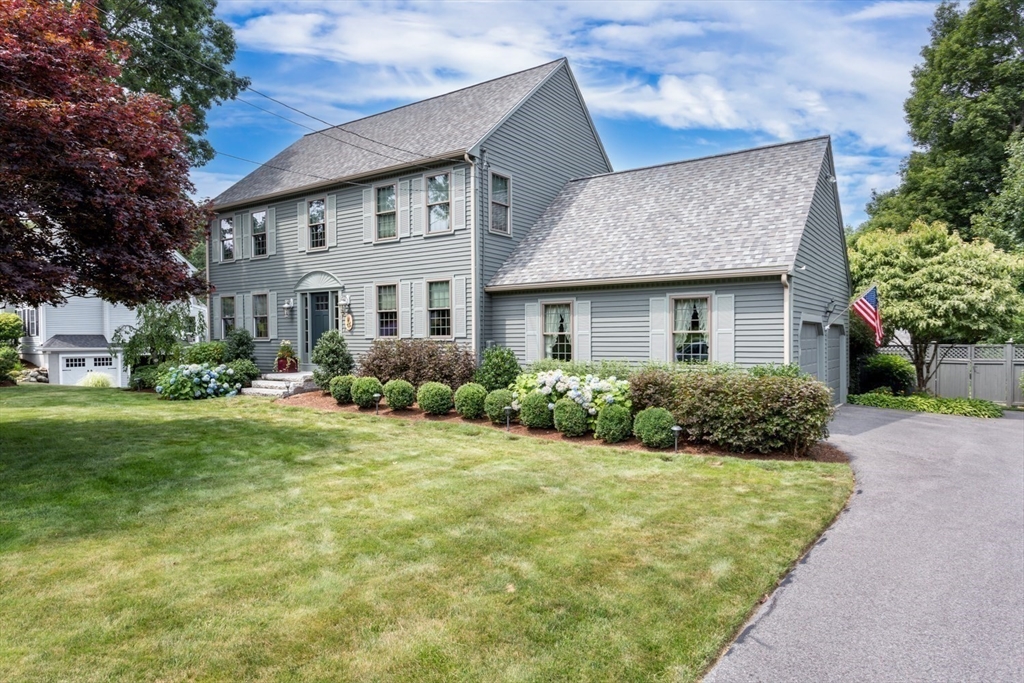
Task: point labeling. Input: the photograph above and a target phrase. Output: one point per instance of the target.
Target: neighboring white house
(72, 340)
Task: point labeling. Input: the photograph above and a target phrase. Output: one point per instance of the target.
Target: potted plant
(287, 361)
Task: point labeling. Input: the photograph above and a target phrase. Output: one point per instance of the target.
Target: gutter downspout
(477, 289)
(787, 321)
(209, 295)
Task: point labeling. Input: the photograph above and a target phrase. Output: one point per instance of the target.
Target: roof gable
(731, 213)
(435, 128)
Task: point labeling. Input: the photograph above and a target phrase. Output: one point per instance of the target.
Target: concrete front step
(257, 391)
(270, 384)
(281, 384)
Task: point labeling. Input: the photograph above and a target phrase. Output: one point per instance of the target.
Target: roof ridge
(704, 158)
(428, 99)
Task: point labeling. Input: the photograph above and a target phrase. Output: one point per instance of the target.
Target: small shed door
(834, 345)
(809, 335)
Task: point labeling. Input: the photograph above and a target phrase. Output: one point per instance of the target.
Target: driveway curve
(921, 578)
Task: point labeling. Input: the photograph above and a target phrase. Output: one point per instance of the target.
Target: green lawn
(234, 539)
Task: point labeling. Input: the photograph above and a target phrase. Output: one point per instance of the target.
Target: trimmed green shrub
(341, 389)
(11, 329)
(603, 369)
(9, 360)
(535, 411)
(211, 352)
(653, 426)
(435, 398)
(498, 369)
(495, 403)
(776, 370)
(144, 377)
(419, 361)
(921, 403)
(614, 424)
(244, 371)
(399, 394)
(363, 389)
(469, 400)
(570, 418)
(239, 345)
(332, 359)
(95, 380)
(885, 370)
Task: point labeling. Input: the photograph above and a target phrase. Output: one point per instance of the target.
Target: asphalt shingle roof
(739, 211)
(76, 341)
(447, 123)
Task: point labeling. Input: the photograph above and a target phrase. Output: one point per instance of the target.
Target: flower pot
(287, 365)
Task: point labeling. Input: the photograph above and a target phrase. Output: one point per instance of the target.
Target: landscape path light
(376, 397)
(675, 432)
(508, 418)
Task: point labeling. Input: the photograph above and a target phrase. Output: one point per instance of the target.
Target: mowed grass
(234, 539)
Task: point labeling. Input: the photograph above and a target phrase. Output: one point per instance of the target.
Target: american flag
(867, 308)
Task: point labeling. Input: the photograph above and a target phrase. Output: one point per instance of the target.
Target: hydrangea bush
(196, 381)
(591, 392)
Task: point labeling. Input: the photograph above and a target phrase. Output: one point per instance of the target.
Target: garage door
(809, 333)
(834, 373)
(76, 367)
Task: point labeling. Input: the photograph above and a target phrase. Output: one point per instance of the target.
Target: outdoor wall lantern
(508, 418)
(675, 432)
(288, 306)
(376, 397)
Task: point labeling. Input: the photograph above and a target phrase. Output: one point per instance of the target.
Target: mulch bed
(822, 452)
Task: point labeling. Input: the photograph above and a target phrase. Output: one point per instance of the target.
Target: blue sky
(664, 81)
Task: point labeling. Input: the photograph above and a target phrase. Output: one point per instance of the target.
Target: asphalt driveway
(922, 578)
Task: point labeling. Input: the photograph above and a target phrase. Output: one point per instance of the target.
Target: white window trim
(572, 324)
(451, 307)
(376, 307)
(266, 233)
(376, 232)
(672, 298)
(493, 171)
(252, 298)
(234, 316)
(234, 238)
(309, 226)
(426, 205)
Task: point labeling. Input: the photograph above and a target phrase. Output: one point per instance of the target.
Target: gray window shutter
(403, 209)
(369, 312)
(246, 313)
(242, 236)
(367, 215)
(659, 329)
(215, 326)
(272, 314)
(581, 344)
(723, 348)
(419, 309)
(271, 231)
(215, 253)
(332, 220)
(405, 308)
(459, 199)
(418, 199)
(459, 311)
(533, 341)
(301, 220)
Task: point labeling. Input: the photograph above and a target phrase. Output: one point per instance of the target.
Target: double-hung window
(439, 308)
(260, 317)
(690, 330)
(317, 224)
(259, 233)
(227, 239)
(438, 205)
(386, 213)
(558, 331)
(501, 201)
(387, 311)
(227, 315)
(29, 320)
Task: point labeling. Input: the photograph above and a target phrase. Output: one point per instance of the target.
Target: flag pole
(847, 307)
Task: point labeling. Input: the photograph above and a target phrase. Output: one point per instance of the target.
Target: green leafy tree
(967, 100)
(1002, 221)
(160, 333)
(938, 288)
(179, 50)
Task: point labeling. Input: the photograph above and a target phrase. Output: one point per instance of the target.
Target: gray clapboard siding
(620, 318)
(81, 315)
(548, 141)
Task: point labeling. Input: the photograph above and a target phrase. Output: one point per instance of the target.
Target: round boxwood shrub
(399, 394)
(341, 389)
(495, 404)
(469, 400)
(332, 359)
(435, 398)
(363, 389)
(884, 370)
(498, 369)
(570, 417)
(653, 426)
(535, 411)
(614, 423)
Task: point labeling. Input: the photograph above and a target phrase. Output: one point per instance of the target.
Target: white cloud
(894, 10)
(209, 184)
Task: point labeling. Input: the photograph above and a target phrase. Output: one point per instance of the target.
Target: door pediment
(318, 279)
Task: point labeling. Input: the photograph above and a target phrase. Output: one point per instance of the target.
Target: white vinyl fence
(988, 371)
